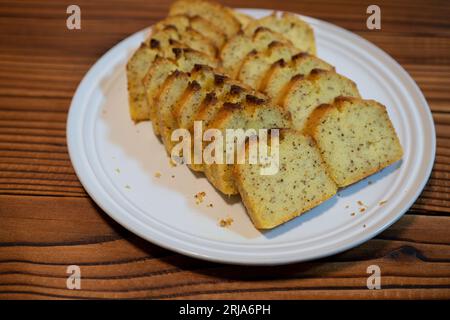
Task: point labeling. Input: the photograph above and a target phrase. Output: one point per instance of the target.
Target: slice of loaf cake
(289, 25)
(204, 27)
(159, 44)
(137, 67)
(282, 71)
(238, 47)
(302, 95)
(185, 60)
(355, 137)
(209, 30)
(173, 92)
(244, 19)
(198, 41)
(186, 35)
(214, 12)
(252, 113)
(232, 92)
(255, 64)
(225, 92)
(188, 106)
(300, 184)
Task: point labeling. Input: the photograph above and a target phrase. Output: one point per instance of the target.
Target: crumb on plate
(199, 197)
(226, 222)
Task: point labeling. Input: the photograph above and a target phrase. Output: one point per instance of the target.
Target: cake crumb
(210, 205)
(117, 170)
(362, 210)
(361, 203)
(127, 187)
(382, 202)
(353, 214)
(226, 222)
(157, 174)
(364, 226)
(347, 206)
(173, 176)
(199, 197)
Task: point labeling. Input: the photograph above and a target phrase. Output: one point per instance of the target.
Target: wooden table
(47, 221)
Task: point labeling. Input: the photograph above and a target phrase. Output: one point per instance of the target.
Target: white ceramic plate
(116, 162)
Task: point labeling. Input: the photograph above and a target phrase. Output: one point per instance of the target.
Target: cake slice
(185, 60)
(209, 30)
(228, 92)
(282, 71)
(244, 19)
(355, 137)
(214, 12)
(159, 44)
(189, 104)
(290, 26)
(302, 95)
(173, 92)
(185, 34)
(238, 47)
(300, 184)
(255, 64)
(253, 113)
(137, 67)
(162, 42)
(197, 41)
(183, 22)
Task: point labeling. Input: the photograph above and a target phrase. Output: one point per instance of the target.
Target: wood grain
(48, 222)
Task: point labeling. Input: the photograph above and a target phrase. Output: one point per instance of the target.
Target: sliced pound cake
(300, 184)
(253, 113)
(282, 71)
(255, 64)
(137, 67)
(214, 12)
(183, 22)
(355, 137)
(290, 26)
(160, 44)
(185, 60)
(228, 92)
(238, 47)
(302, 95)
(244, 19)
(173, 92)
(189, 104)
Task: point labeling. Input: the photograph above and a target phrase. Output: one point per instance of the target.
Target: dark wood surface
(47, 221)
